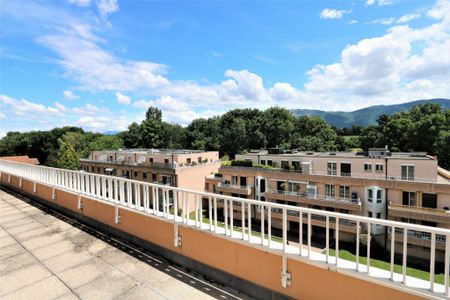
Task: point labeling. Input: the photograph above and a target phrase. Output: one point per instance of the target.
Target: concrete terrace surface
(49, 256)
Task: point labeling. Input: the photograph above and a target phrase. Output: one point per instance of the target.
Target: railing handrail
(230, 185)
(363, 219)
(322, 197)
(119, 192)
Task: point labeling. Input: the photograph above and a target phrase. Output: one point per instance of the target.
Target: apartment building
(408, 187)
(179, 168)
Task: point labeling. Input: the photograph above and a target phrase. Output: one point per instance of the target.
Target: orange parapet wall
(257, 265)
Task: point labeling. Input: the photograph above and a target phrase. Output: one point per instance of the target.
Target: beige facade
(179, 168)
(405, 187)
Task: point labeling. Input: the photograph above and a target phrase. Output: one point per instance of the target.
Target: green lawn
(344, 254)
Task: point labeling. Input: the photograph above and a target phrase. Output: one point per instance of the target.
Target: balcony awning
(109, 169)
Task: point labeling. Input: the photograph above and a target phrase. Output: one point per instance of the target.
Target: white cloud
(440, 10)
(385, 21)
(329, 13)
(380, 2)
(123, 99)
(80, 2)
(407, 18)
(69, 95)
(106, 7)
(353, 22)
(28, 109)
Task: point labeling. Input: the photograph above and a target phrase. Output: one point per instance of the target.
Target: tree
(131, 137)
(174, 136)
(68, 158)
(277, 126)
(313, 133)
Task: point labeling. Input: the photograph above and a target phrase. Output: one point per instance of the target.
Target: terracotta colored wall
(256, 265)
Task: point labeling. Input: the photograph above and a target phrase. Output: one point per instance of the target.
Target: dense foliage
(422, 128)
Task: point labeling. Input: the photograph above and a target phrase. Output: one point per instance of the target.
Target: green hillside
(365, 116)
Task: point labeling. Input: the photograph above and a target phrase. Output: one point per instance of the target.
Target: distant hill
(365, 116)
(110, 132)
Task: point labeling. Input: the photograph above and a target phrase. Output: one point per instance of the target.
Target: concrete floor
(44, 255)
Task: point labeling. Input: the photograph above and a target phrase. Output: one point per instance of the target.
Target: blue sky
(99, 64)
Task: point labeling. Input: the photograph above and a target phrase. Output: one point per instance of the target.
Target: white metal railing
(365, 175)
(172, 204)
(234, 186)
(343, 200)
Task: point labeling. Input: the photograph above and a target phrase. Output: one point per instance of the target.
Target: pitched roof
(21, 159)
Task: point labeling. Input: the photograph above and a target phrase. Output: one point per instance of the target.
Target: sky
(99, 64)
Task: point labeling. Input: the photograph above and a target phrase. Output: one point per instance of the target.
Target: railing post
(405, 254)
(446, 264)
(358, 233)
(309, 235)
(432, 260)
(369, 240)
(392, 252)
(327, 237)
(284, 229)
(337, 241)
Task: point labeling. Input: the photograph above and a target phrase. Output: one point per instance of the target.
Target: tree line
(422, 128)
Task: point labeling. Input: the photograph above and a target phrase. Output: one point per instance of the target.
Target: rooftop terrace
(45, 255)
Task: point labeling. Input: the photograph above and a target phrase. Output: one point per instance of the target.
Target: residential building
(178, 168)
(408, 187)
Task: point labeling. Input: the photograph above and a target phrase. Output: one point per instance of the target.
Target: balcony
(315, 199)
(419, 238)
(153, 165)
(316, 220)
(419, 213)
(234, 189)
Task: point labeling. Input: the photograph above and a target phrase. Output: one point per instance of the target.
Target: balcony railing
(365, 175)
(421, 213)
(153, 201)
(155, 165)
(343, 200)
(228, 187)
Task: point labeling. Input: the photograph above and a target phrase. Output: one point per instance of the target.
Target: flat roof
(392, 155)
(156, 151)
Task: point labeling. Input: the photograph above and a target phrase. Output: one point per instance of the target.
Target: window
(370, 195)
(330, 190)
(98, 169)
(144, 175)
(188, 160)
(344, 191)
(331, 168)
(269, 162)
(311, 191)
(296, 165)
(135, 174)
(370, 214)
(151, 159)
(379, 168)
(285, 164)
(263, 162)
(234, 180)
(199, 159)
(166, 160)
(206, 186)
(407, 172)
(154, 177)
(379, 195)
(378, 215)
(367, 167)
